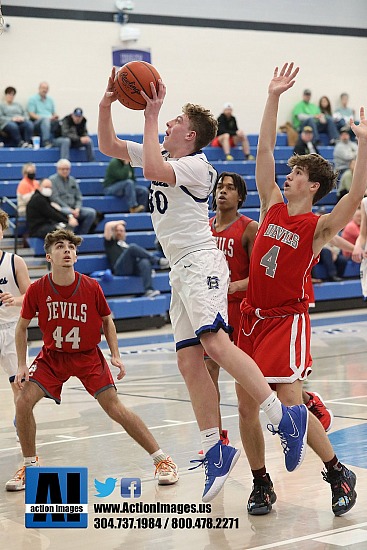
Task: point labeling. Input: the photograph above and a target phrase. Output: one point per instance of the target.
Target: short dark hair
(10, 90)
(239, 184)
(61, 235)
(318, 170)
(202, 122)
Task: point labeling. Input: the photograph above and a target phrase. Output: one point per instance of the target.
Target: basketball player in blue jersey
(182, 180)
(14, 281)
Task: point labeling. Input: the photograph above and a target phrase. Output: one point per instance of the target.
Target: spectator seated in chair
(228, 134)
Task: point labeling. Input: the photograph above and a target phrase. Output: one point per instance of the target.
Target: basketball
(131, 79)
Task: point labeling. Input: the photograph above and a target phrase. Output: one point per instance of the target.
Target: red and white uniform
(230, 242)
(275, 325)
(70, 318)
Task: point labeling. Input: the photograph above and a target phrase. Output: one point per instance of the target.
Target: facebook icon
(131, 487)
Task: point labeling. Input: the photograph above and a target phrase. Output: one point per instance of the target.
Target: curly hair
(202, 122)
(4, 220)
(318, 170)
(239, 184)
(61, 235)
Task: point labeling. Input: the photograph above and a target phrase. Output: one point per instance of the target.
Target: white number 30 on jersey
(72, 336)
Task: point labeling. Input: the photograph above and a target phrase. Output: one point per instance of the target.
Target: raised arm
(108, 142)
(154, 167)
(330, 224)
(109, 229)
(360, 244)
(265, 165)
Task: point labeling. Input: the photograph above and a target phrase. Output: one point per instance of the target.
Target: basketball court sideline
(78, 433)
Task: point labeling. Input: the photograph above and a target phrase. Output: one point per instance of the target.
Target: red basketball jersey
(281, 258)
(230, 242)
(69, 317)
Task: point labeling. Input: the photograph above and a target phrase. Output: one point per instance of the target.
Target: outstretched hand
(110, 95)
(284, 79)
(360, 129)
(155, 103)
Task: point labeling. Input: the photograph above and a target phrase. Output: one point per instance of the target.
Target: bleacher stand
(125, 294)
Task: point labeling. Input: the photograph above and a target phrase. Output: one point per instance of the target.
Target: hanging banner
(122, 56)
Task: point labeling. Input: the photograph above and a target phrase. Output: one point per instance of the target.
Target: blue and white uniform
(199, 274)
(8, 315)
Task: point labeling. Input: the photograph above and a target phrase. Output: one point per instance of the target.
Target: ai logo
(56, 497)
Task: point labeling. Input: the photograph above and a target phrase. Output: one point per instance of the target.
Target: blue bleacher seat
(91, 254)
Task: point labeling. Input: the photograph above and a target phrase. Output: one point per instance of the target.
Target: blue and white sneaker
(292, 431)
(218, 463)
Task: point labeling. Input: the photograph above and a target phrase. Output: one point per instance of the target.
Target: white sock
(158, 456)
(272, 407)
(209, 438)
(30, 461)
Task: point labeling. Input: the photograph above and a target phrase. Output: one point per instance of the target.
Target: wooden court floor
(78, 434)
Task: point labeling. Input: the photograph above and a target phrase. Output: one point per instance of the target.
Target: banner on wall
(122, 56)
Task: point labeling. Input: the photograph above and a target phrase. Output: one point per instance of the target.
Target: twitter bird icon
(106, 488)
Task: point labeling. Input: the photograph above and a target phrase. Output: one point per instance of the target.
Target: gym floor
(78, 433)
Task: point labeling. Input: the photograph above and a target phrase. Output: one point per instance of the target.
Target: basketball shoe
(262, 497)
(218, 463)
(292, 431)
(17, 482)
(167, 472)
(318, 408)
(342, 489)
(224, 439)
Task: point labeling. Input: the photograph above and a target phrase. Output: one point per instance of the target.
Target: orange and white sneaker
(17, 482)
(167, 472)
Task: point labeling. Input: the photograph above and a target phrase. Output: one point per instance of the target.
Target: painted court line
(308, 537)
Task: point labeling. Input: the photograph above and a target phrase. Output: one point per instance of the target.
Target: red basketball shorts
(51, 369)
(279, 345)
(215, 142)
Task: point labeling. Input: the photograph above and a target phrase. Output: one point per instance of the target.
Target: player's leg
(26, 427)
(341, 479)
(133, 425)
(262, 496)
(213, 369)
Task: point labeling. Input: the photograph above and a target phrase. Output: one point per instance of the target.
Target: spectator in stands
(74, 127)
(130, 259)
(305, 144)
(344, 112)
(120, 181)
(229, 135)
(351, 232)
(26, 187)
(43, 216)
(346, 180)
(333, 260)
(14, 121)
(306, 113)
(360, 248)
(325, 108)
(345, 150)
(66, 192)
(41, 108)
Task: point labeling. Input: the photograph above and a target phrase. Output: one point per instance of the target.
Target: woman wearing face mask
(26, 187)
(43, 215)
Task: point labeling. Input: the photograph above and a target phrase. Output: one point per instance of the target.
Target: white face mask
(46, 191)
